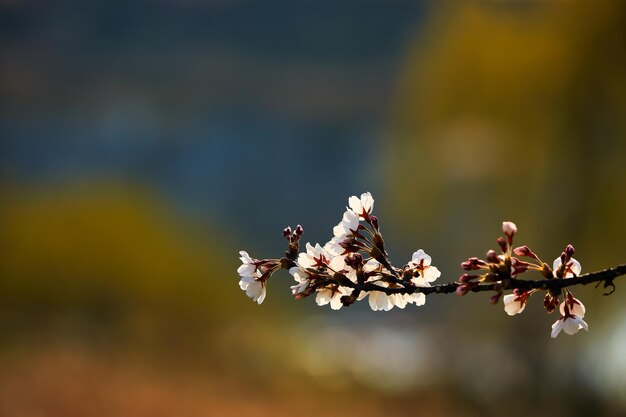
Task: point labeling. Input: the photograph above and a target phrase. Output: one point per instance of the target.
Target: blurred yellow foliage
(514, 111)
(112, 246)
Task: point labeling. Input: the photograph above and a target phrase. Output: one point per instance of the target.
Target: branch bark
(604, 277)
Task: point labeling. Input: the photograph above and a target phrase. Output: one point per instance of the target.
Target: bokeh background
(143, 143)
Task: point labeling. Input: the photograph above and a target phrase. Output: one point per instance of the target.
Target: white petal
(418, 299)
(571, 325)
(338, 263)
(256, 291)
(246, 270)
(431, 273)
(298, 274)
(399, 300)
(245, 258)
(420, 281)
(323, 297)
(371, 265)
(556, 328)
(305, 260)
(261, 297)
(299, 288)
(419, 256)
(245, 282)
(333, 247)
(372, 300)
(367, 202)
(340, 231)
(355, 204)
(556, 264)
(335, 302)
(350, 220)
(511, 306)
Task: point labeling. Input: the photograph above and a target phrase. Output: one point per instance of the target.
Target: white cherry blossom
(253, 287)
(573, 267)
(569, 324)
(362, 206)
(428, 273)
(513, 304)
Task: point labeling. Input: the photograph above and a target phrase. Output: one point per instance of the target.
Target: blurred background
(143, 143)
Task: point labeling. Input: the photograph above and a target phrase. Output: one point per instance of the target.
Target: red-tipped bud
(525, 251)
(287, 233)
(569, 252)
(473, 264)
(550, 303)
(462, 289)
(495, 298)
(374, 221)
(354, 261)
(465, 278)
(502, 244)
(518, 266)
(299, 231)
(465, 288)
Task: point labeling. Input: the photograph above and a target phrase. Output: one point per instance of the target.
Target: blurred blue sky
(211, 103)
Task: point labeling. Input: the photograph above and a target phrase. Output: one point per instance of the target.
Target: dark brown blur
(144, 143)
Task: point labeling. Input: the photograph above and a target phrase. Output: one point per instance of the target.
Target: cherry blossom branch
(354, 265)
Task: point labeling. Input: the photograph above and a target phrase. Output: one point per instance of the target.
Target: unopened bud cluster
(354, 265)
(502, 268)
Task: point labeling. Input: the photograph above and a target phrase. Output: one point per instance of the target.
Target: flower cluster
(351, 266)
(503, 269)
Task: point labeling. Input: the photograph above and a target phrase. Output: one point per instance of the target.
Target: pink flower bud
(492, 256)
(509, 228)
